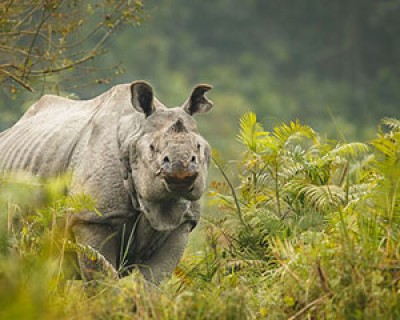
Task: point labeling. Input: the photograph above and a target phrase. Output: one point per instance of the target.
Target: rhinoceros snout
(179, 176)
(180, 182)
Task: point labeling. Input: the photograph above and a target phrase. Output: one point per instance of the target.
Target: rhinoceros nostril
(193, 160)
(166, 159)
(182, 182)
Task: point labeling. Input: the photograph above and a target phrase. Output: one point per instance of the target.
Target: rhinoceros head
(170, 158)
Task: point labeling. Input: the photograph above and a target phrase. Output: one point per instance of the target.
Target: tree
(43, 38)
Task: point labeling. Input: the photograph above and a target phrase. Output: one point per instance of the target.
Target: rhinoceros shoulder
(49, 103)
(115, 99)
(46, 138)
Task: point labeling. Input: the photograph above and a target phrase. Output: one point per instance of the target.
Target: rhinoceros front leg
(164, 260)
(104, 240)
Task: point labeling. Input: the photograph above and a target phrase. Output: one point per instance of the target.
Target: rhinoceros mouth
(181, 184)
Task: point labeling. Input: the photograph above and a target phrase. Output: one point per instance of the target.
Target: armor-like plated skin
(144, 164)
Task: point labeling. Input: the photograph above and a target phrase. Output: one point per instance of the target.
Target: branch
(68, 66)
(309, 306)
(17, 79)
(9, 49)
(286, 267)
(28, 16)
(238, 209)
(37, 32)
(105, 37)
(9, 65)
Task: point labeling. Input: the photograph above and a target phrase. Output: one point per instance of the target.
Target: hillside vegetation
(297, 227)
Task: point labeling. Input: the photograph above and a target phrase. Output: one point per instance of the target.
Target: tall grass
(301, 228)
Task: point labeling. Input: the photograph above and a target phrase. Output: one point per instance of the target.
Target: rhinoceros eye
(198, 146)
(152, 148)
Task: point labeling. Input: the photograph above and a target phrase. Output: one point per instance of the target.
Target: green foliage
(290, 181)
(324, 218)
(305, 228)
(33, 244)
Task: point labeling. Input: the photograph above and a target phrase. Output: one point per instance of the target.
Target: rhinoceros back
(49, 138)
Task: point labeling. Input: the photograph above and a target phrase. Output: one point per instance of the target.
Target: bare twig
(238, 209)
(68, 66)
(28, 16)
(309, 306)
(39, 27)
(9, 49)
(277, 190)
(294, 276)
(17, 79)
(321, 274)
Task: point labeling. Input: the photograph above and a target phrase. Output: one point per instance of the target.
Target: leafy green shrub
(33, 244)
(323, 217)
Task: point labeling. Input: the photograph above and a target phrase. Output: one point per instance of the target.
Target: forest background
(334, 65)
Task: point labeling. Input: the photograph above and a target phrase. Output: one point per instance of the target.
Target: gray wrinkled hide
(114, 145)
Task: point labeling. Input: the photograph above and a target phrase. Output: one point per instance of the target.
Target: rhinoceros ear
(142, 97)
(198, 102)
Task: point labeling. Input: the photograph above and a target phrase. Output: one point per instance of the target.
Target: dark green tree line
(333, 65)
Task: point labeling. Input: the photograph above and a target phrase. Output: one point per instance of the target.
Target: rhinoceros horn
(178, 127)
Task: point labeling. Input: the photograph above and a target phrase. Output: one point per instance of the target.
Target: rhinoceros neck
(166, 215)
(146, 239)
(148, 234)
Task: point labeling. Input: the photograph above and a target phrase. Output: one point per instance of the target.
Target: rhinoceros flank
(143, 163)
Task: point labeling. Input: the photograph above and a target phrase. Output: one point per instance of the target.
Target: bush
(321, 218)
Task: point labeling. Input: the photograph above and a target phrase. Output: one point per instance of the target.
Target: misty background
(334, 65)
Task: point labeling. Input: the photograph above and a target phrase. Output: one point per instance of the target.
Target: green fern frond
(324, 197)
(295, 186)
(80, 202)
(240, 264)
(357, 191)
(392, 123)
(321, 197)
(265, 179)
(250, 130)
(290, 170)
(348, 150)
(87, 251)
(294, 129)
(98, 261)
(387, 150)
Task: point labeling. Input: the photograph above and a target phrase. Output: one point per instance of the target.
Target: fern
(287, 132)
(392, 123)
(348, 151)
(250, 131)
(324, 197)
(97, 261)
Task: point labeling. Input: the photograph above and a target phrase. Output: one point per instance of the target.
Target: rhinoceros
(143, 163)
